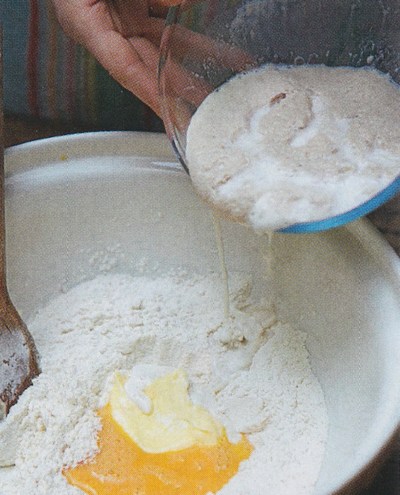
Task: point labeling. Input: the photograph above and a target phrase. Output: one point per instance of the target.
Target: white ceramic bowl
(124, 195)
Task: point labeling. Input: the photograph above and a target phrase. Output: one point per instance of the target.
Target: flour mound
(250, 371)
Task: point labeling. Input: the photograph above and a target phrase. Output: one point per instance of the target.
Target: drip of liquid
(269, 257)
(222, 263)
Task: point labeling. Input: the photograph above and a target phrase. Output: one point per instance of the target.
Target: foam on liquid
(279, 146)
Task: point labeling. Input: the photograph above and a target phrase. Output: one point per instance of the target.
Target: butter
(170, 421)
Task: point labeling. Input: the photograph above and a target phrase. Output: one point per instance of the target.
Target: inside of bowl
(69, 220)
(346, 298)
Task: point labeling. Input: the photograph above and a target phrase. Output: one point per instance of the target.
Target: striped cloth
(46, 75)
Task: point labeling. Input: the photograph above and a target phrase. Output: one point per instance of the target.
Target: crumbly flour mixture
(282, 145)
(251, 372)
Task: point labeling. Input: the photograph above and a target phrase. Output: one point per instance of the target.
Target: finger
(181, 89)
(156, 4)
(130, 8)
(179, 81)
(129, 16)
(119, 57)
(147, 51)
(93, 27)
(158, 9)
(150, 28)
(186, 45)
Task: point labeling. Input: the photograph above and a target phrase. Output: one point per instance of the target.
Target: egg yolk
(123, 468)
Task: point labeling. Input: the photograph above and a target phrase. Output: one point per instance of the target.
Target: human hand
(123, 35)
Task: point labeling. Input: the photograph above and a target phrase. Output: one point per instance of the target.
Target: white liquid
(279, 146)
(222, 263)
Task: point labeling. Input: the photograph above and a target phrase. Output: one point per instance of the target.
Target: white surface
(81, 205)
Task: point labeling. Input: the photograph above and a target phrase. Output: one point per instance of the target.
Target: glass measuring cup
(214, 40)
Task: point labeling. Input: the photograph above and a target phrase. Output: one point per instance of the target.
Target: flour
(250, 371)
(283, 145)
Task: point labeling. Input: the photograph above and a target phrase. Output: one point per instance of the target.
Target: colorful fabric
(46, 75)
